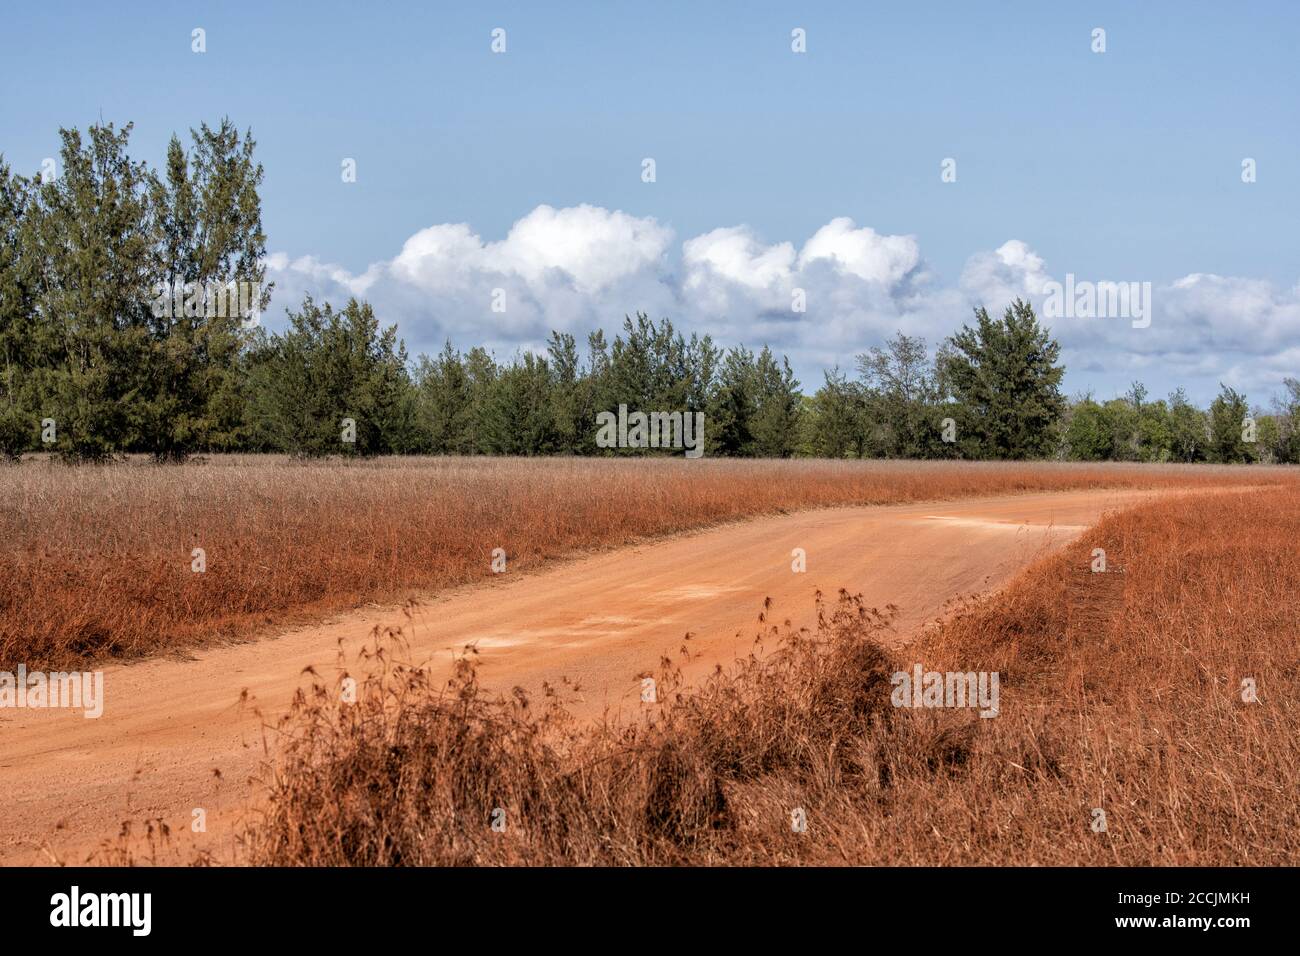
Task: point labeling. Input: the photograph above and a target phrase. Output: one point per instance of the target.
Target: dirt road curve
(67, 783)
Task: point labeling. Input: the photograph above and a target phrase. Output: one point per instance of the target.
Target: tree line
(111, 343)
(998, 383)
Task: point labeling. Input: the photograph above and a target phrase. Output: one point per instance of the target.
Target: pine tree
(1005, 377)
(729, 419)
(211, 245)
(93, 233)
(518, 418)
(777, 408)
(332, 383)
(445, 403)
(18, 334)
(836, 424)
(571, 406)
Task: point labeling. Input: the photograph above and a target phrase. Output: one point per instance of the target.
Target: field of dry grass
(1121, 691)
(96, 562)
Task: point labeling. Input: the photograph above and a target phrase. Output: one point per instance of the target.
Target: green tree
(1188, 428)
(571, 395)
(211, 245)
(777, 408)
(1286, 447)
(518, 418)
(93, 233)
(328, 369)
(835, 427)
(650, 367)
(1268, 437)
(1153, 438)
(1005, 377)
(729, 416)
(1088, 434)
(446, 403)
(18, 333)
(1228, 413)
(901, 395)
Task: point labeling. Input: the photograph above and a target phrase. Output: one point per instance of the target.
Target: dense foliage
(112, 341)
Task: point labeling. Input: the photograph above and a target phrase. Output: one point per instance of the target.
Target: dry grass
(1121, 691)
(95, 562)
(413, 774)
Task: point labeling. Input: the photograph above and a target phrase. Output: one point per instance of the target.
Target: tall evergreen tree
(211, 245)
(571, 399)
(1005, 377)
(446, 403)
(330, 377)
(1228, 413)
(518, 417)
(836, 420)
(93, 233)
(729, 419)
(18, 335)
(777, 408)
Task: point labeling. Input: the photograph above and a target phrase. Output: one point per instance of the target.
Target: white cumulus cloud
(886, 260)
(584, 267)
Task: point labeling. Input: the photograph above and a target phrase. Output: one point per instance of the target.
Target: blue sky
(1122, 165)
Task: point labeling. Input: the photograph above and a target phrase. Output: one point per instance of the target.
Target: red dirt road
(69, 782)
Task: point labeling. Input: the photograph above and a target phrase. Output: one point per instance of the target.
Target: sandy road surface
(67, 782)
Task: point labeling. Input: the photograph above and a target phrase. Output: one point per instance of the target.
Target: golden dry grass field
(98, 562)
(1122, 690)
